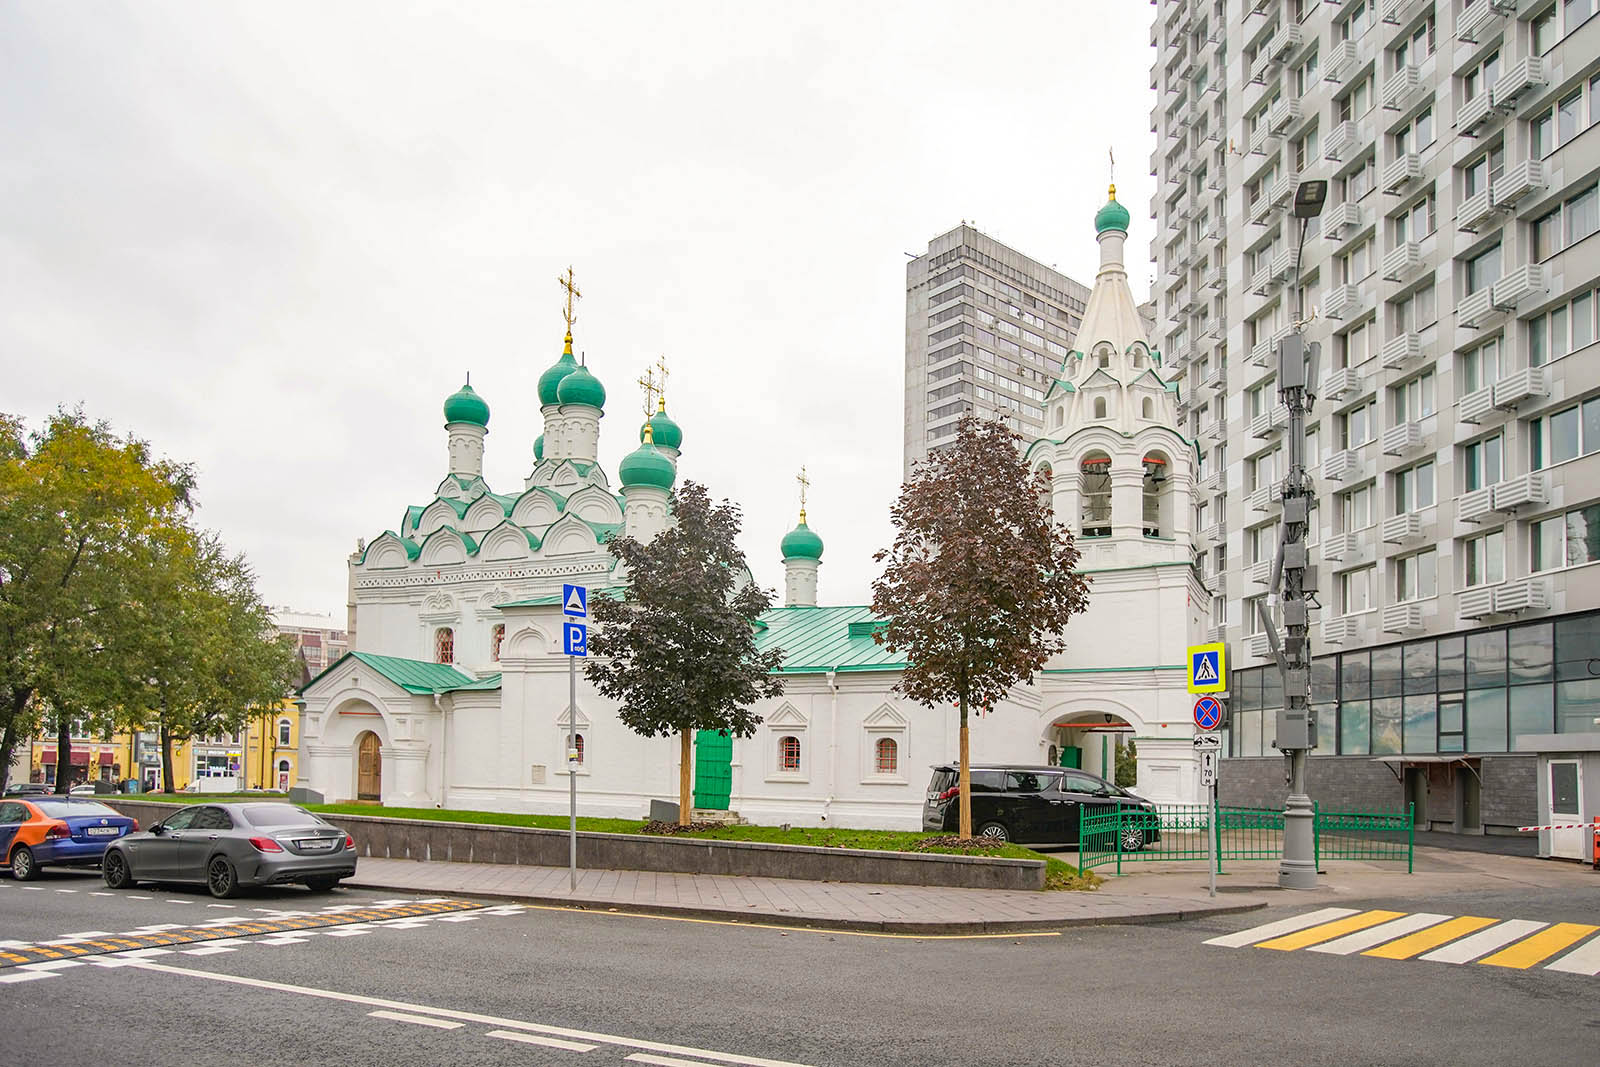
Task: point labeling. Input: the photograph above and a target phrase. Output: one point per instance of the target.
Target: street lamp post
(1294, 582)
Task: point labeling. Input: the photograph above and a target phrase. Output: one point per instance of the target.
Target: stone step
(716, 815)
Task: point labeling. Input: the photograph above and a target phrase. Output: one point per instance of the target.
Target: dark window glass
(13, 813)
(1451, 743)
(1355, 676)
(1355, 734)
(1325, 678)
(1450, 711)
(1386, 719)
(1029, 782)
(1486, 720)
(1452, 663)
(1385, 672)
(1486, 659)
(66, 809)
(1271, 695)
(1422, 723)
(1564, 786)
(182, 820)
(987, 781)
(1533, 710)
(1422, 667)
(1578, 648)
(1531, 652)
(1081, 783)
(1327, 728)
(1578, 706)
(1248, 695)
(286, 815)
(213, 819)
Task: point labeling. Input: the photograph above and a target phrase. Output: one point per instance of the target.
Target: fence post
(1119, 837)
(1316, 835)
(1411, 836)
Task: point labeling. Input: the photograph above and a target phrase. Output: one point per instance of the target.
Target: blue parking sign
(575, 639)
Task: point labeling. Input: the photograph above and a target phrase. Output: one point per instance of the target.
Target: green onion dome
(1111, 217)
(647, 466)
(581, 387)
(464, 405)
(801, 542)
(663, 430)
(550, 380)
(538, 448)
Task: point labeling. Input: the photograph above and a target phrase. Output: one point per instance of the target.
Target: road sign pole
(572, 771)
(1212, 834)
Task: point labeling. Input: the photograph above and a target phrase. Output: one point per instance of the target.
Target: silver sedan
(227, 847)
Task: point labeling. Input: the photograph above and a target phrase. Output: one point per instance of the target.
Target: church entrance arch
(369, 767)
(1093, 741)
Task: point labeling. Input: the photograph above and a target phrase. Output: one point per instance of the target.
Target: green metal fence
(1115, 834)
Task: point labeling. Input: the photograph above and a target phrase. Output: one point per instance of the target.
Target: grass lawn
(1058, 874)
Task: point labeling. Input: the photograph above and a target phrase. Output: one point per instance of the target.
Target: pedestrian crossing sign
(1208, 668)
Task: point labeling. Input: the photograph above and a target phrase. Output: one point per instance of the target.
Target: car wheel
(220, 878)
(994, 831)
(24, 868)
(1132, 838)
(114, 869)
(321, 885)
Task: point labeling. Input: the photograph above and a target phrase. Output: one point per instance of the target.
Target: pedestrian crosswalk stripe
(1329, 931)
(1470, 948)
(1281, 926)
(1431, 938)
(1377, 935)
(1585, 959)
(1540, 946)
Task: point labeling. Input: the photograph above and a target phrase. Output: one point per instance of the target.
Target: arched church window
(1138, 359)
(1094, 488)
(1157, 495)
(444, 645)
(886, 756)
(1105, 360)
(1099, 407)
(1148, 408)
(497, 636)
(789, 753)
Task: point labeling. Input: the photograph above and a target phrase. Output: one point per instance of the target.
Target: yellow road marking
(1540, 946)
(1329, 931)
(791, 929)
(1433, 937)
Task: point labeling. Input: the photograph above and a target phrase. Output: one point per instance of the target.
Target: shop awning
(79, 755)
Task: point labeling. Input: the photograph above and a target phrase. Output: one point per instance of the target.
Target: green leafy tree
(678, 650)
(1127, 764)
(980, 582)
(81, 512)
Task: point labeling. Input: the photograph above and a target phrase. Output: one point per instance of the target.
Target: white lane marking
(143, 953)
(66, 890)
(52, 965)
(1585, 959)
(229, 906)
(19, 975)
(276, 941)
(14, 944)
(1279, 928)
(178, 900)
(347, 931)
(662, 1061)
(205, 950)
(1362, 940)
(1484, 942)
(35, 888)
(132, 896)
(102, 894)
(81, 935)
(467, 1016)
(457, 918)
(548, 1042)
(420, 1020)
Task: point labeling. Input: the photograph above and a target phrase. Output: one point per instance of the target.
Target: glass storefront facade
(1473, 692)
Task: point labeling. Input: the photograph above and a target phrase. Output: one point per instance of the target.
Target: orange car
(57, 831)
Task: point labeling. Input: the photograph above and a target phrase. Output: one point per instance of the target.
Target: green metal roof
(412, 675)
(491, 682)
(614, 592)
(821, 639)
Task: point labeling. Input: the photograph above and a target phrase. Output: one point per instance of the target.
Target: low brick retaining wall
(418, 839)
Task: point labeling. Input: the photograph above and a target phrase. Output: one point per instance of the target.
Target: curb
(884, 926)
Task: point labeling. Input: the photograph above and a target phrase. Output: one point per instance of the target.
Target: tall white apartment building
(987, 329)
(1452, 284)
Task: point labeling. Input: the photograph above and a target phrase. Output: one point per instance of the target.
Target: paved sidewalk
(791, 902)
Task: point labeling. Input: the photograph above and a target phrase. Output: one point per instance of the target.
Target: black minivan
(1032, 804)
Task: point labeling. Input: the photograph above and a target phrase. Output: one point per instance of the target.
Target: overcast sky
(271, 238)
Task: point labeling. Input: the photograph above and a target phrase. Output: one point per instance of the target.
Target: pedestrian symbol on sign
(1205, 668)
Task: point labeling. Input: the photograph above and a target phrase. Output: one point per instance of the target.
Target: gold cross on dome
(652, 389)
(661, 388)
(805, 483)
(570, 314)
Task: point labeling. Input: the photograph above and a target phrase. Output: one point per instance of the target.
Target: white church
(456, 692)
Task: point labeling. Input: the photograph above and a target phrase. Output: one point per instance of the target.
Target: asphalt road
(612, 990)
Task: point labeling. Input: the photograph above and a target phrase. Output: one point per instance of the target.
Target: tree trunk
(63, 755)
(166, 759)
(966, 778)
(8, 741)
(685, 799)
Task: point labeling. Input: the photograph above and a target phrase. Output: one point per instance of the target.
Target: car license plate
(103, 831)
(316, 843)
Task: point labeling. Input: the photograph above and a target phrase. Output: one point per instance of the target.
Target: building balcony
(1265, 496)
(1532, 488)
(1261, 70)
(1284, 186)
(1342, 301)
(1261, 571)
(1261, 355)
(1262, 210)
(1269, 422)
(1349, 548)
(1475, 212)
(1475, 505)
(1519, 387)
(1474, 309)
(1402, 88)
(1345, 630)
(1284, 114)
(1527, 280)
(1473, 406)
(1402, 440)
(1285, 41)
(1344, 141)
(1217, 633)
(1345, 216)
(1402, 619)
(1526, 177)
(1529, 72)
(1341, 383)
(1516, 597)
(1259, 646)
(1479, 16)
(1402, 529)
(1215, 534)
(1214, 430)
(1474, 115)
(1342, 466)
(1216, 279)
(1476, 602)
(1284, 262)
(1397, 11)
(1401, 171)
(1402, 261)
(1343, 61)
(1261, 280)
(1212, 482)
(1400, 352)
(1216, 381)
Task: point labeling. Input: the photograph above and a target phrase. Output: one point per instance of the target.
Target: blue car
(57, 831)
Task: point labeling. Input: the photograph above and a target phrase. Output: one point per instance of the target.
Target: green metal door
(713, 769)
